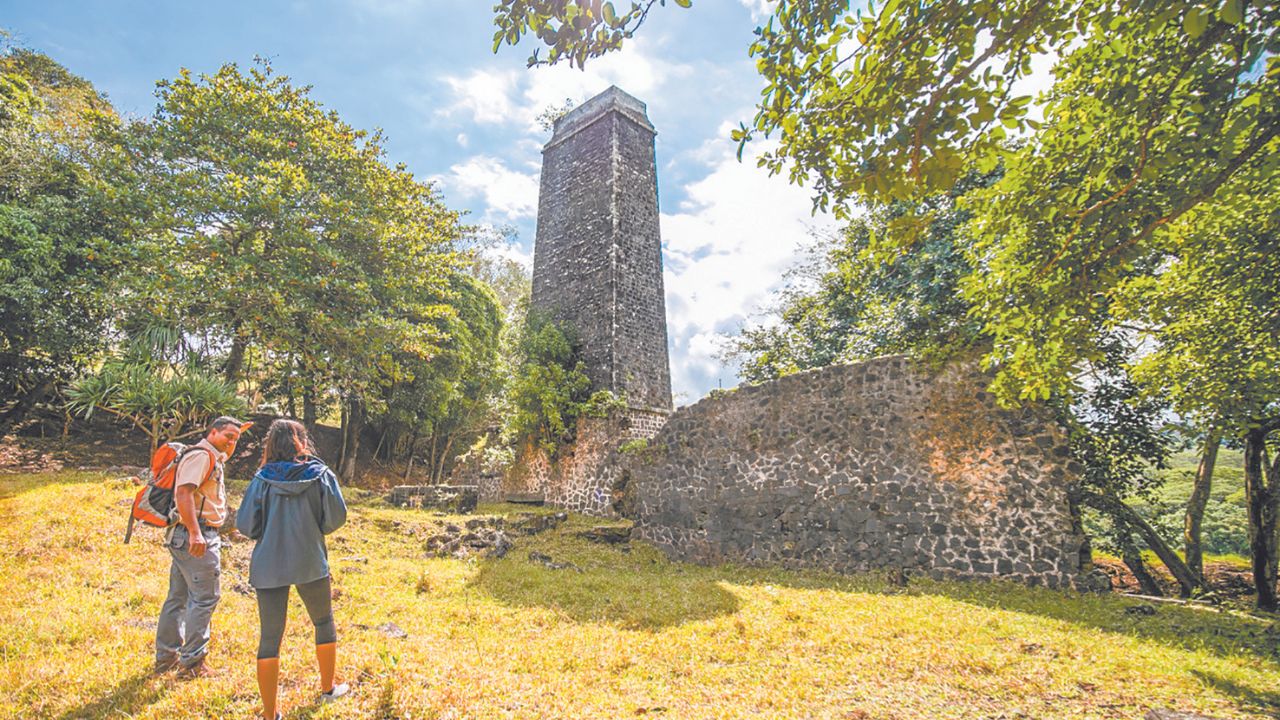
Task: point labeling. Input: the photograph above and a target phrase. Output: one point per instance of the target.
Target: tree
(1117, 433)
(550, 388)
(159, 385)
(447, 399)
(59, 249)
(854, 302)
(1193, 519)
(276, 229)
(573, 31)
(1211, 314)
(163, 405)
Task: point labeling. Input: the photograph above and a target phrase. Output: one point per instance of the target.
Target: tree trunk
(291, 404)
(1262, 496)
(1085, 558)
(431, 459)
(1132, 557)
(1188, 581)
(342, 425)
(308, 404)
(155, 433)
(408, 466)
(443, 460)
(351, 438)
(235, 360)
(382, 439)
(1199, 500)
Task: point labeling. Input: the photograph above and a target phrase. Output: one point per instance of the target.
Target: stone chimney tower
(597, 262)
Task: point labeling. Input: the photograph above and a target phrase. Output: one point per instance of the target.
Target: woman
(292, 503)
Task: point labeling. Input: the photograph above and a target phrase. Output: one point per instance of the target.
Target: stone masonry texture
(598, 254)
(460, 499)
(581, 475)
(860, 467)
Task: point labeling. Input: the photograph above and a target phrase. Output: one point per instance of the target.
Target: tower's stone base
(581, 475)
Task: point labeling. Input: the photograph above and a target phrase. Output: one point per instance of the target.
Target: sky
(463, 117)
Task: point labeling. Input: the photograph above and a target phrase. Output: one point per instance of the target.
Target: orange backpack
(154, 504)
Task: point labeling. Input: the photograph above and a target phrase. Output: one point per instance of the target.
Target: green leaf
(1195, 22)
(1232, 12)
(684, 3)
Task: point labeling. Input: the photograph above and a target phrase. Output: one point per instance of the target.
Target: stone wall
(859, 467)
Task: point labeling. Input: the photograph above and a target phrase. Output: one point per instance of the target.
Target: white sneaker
(339, 689)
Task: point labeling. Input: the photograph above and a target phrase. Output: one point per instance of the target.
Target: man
(200, 497)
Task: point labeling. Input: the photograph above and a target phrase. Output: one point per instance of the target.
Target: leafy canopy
(59, 248)
(268, 222)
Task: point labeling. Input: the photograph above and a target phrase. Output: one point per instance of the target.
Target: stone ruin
(873, 466)
(879, 465)
(455, 499)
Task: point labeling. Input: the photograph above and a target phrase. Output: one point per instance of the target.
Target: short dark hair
(222, 421)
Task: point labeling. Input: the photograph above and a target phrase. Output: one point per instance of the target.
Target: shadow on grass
(127, 698)
(638, 591)
(1220, 633)
(644, 590)
(1267, 701)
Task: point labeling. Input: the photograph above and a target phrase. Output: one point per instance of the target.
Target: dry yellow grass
(630, 635)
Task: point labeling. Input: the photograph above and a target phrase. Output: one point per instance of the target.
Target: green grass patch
(623, 632)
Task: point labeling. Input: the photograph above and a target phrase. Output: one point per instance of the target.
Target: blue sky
(459, 115)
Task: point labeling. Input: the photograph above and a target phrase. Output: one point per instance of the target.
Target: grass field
(626, 634)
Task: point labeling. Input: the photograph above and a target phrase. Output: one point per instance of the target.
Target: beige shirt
(210, 497)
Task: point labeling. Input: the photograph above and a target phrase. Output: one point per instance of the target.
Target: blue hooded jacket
(289, 508)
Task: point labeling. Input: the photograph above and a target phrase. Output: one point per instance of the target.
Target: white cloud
(1038, 83)
(518, 96)
(483, 95)
(636, 69)
(726, 249)
(505, 250)
(508, 194)
(760, 9)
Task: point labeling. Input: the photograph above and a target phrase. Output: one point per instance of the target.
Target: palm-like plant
(154, 391)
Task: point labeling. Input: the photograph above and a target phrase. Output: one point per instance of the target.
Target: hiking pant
(183, 628)
(273, 608)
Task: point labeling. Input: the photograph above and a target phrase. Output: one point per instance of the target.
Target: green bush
(550, 389)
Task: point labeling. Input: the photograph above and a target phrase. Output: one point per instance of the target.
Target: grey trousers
(183, 629)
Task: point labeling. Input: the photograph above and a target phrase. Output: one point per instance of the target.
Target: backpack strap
(213, 465)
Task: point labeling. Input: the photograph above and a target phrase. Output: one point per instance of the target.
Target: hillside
(620, 632)
(1226, 526)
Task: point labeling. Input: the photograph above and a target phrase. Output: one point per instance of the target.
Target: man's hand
(195, 543)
